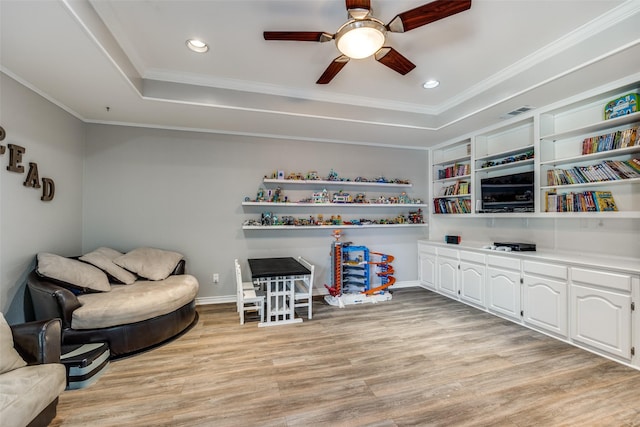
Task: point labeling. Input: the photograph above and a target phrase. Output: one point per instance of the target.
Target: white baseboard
(317, 291)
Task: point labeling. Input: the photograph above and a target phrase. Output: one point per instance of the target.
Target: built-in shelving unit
(505, 150)
(577, 150)
(451, 178)
(549, 142)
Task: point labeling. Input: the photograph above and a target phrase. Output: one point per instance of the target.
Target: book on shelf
(457, 189)
(612, 141)
(448, 206)
(457, 169)
(605, 201)
(586, 201)
(608, 170)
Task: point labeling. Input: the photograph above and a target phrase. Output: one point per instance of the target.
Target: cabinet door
(504, 292)
(427, 270)
(472, 283)
(601, 319)
(545, 304)
(448, 276)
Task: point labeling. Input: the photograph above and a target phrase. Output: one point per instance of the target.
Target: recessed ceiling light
(197, 45)
(430, 84)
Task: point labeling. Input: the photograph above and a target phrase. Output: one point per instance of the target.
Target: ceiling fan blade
(358, 9)
(301, 36)
(394, 60)
(333, 69)
(426, 14)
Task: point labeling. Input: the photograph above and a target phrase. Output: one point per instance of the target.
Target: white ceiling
(130, 56)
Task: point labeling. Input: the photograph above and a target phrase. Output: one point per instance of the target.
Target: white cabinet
(447, 264)
(544, 299)
(472, 276)
(591, 308)
(503, 286)
(601, 310)
(427, 266)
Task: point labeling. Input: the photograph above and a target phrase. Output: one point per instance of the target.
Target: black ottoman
(85, 363)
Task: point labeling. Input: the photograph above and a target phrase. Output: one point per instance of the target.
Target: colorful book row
(459, 188)
(611, 141)
(608, 170)
(458, 169)
(587, 201)
(452, 206)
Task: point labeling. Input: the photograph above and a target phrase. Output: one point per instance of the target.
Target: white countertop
(589, 260)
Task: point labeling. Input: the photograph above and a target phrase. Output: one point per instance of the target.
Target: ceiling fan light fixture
(431, 84)
(198, 46)
(359, 39)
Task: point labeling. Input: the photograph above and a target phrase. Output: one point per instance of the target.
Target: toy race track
(351, 275)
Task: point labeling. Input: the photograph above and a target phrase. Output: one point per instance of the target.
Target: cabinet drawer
(427, 249)
(472, 257)
(601, 278)
(451, 253)
(543, 269)
(503, 262)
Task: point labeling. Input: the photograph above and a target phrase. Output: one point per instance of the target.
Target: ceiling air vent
(517, 111)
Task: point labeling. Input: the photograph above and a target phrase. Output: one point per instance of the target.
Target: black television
(508, 193)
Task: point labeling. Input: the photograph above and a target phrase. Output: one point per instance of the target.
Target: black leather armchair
(38, 343)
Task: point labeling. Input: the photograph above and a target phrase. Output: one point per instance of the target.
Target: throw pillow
(150, 263)
(9, 357)
(73, 272)
(103, 259)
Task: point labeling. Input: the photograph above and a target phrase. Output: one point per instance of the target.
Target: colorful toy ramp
(351, 275)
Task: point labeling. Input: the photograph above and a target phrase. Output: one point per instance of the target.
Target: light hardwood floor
(419, 359)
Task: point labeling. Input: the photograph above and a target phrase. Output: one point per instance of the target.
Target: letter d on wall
(48, 189)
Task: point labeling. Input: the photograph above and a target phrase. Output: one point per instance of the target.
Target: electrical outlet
(216, 278)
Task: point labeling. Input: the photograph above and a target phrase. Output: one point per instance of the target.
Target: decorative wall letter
(48, 189)
(33, 178)
(15, 157)
(2, 135)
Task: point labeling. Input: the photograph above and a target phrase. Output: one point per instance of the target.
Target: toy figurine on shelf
(312, 176)
(360, 198)
(341, 197)
(266, 219)
(320, 197)
(416, 217)
(277, 196)
(333, 176)
(260, 195)
(295, 176)
(404, 199)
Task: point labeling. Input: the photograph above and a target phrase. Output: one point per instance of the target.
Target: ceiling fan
(364, 35)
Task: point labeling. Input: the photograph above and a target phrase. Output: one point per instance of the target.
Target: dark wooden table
(277, 276)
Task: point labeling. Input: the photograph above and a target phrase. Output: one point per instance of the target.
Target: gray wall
(606, 237)
(183, 191)
(54, 140)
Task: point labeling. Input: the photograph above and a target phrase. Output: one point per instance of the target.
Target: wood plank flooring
(417, 360)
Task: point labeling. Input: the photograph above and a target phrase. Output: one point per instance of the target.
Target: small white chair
(247, 286)
(304, 288)
(248, 299)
